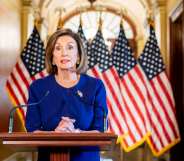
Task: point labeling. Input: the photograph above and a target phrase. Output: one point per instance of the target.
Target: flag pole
(122, 16)
(100, 22)
(80, 19)
(36, 23)
(60, 21)
(150, 20)
(37, 19)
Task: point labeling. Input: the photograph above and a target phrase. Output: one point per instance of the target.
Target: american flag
(30, 66)
(105, 71)
(82, 36)
(164, 131)
(133, 92)
(91, 59)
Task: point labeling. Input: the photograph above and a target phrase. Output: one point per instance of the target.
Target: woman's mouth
(64, 61)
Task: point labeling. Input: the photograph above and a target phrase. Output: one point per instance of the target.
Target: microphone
(104, 120)
(11, 116)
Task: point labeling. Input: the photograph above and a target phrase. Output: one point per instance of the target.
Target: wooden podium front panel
(60, 143)
(52, 139)
(61, 155)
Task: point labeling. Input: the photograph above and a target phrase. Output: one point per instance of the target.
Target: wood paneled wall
(10, 42)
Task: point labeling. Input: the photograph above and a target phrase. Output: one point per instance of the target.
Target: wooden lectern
(59, 143)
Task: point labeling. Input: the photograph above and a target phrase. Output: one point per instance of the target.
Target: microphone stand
(104, 121)
(79, 95)
(11, 116)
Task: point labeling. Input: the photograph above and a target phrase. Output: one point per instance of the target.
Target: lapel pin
(79, 93)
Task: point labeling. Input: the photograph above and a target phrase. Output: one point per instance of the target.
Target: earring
(78, 62)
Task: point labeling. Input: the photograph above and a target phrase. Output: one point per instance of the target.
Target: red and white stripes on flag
(133, 93)
(164, 128)
(136, 102)
(164, 132)
(139, 94)
(117, 123)
(103, 71)
(30, 66)
(115, 101)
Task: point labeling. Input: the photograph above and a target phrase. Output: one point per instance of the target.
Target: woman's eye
(70, 47)
(57, 48)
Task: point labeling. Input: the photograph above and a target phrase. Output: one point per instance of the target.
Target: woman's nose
(63, 52)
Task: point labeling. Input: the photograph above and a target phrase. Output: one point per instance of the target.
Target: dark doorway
(177, 73)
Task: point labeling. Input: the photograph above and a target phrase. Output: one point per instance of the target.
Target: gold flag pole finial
(37, 18)
(122, 13)
(122, 16)
(36, 23)
(60, 21)
(100, 21)
(81, 18)
(150, 19)
(100, 9)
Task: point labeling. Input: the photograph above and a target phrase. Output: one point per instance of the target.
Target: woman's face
(65, 53)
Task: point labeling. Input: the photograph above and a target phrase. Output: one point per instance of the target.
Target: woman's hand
(65, 125)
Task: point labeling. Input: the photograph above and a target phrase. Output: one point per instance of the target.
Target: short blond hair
(81, 67)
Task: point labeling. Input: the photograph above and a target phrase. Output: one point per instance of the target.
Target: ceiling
(135, 10)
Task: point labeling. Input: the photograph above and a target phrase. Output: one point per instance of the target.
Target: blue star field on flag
(82, 36)
(100, 50)
(33, 54)
(86, 46)
(122, 56)
(151, 60)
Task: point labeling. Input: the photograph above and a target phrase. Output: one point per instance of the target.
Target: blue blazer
(85, 102)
